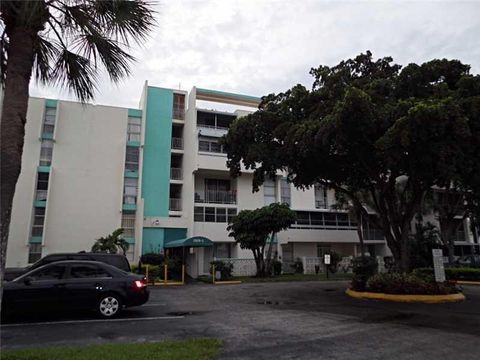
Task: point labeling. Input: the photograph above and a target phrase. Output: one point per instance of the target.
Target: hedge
(407, 284)
(454, 274)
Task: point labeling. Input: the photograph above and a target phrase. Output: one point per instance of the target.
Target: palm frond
(76, 73)
(45, 53)
(125, 18)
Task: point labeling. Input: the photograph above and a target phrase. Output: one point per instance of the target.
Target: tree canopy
(371, 130)
(252, 228)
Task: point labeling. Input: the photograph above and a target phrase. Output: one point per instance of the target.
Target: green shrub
(152, 259)
(407, 284)
(224, 268)
(155, 272)
(364, 267)
(297, 266)
(277, 267)
(459, 274)
(174, 265)
(335, 258)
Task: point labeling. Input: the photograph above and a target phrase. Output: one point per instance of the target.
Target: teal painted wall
(174, 234)
(135, 113)
(156, 152)
(155, 238)
(152, 240)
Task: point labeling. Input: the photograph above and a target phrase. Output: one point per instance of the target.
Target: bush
(224, 268)
(407, 284)
(277, 267)
(155, 272)
(297, 266)
(174, 265)
(152, 259)
(364, 267)
(459, 274)
(335, 258)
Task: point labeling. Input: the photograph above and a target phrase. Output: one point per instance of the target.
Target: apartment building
(160, 173)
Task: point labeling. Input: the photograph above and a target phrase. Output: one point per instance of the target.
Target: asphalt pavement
(301, 320)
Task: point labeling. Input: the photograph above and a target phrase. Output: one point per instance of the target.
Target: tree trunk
(268, 259)
(358, 215)
(12, 128)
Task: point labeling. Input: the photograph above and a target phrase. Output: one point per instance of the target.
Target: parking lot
(308, 320)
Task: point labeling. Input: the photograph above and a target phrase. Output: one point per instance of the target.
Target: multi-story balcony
(217, 197)
(177, 143)
(41, 195)
(175, 204)
(176, 174)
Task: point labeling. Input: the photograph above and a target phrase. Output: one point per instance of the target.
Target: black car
(116, 260)
(71, 285)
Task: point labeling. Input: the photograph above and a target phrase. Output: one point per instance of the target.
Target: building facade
(160, 173)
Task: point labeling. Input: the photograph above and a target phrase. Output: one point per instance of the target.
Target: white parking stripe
(93, 321)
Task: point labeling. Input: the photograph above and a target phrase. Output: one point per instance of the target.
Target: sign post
(326, 260)
(438, 266)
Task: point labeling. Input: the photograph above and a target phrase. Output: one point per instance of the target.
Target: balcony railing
(176, 174)
(179, 114)
(217, 197)
(129, 199)
(320, 204)
(212, 127)
(177, 143)
(41, 195)
(175, 204)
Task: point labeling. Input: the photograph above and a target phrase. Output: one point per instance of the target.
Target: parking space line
(93, 321)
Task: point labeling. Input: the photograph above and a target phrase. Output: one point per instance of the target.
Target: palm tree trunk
(12, 128)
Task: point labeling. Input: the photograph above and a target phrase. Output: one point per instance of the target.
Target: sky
(264, 46)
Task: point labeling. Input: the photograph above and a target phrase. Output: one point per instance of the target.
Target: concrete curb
(462, 282)
(429, 299)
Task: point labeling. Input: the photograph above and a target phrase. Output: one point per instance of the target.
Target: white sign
(438, 266)
(326, 259)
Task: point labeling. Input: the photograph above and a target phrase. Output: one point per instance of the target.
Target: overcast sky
(263, 46)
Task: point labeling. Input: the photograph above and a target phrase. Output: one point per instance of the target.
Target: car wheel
(109, 305)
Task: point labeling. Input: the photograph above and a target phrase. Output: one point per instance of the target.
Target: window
(130, 191)
(222, 250)
(42, 181)
(38, 221)
(88, 271)
(370, 230)
(131, 158)
(130, 254)
(46, 151)
(134, 129)
(218, 191)
(212, 214)
(209, 144)
(321, 197)
(323, 220)
(34, 253)
(285, 191)
(179, 106)
(322, 249)
(269, 192)
(52, 272)
(214, 120)
(128, 225)
(49, 120)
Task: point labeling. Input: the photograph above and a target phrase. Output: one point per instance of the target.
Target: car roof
(82, 253)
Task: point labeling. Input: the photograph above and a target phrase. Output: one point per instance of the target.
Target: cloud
(259, 47)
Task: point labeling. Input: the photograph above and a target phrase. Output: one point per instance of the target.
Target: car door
(41, 289)
(85, 283)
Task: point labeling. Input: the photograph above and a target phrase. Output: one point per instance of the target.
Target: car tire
(109, 305)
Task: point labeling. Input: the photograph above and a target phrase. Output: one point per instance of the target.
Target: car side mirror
(28, 280)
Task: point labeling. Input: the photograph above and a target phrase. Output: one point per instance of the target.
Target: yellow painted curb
(227, 282)
(430, 299)
(467, 282)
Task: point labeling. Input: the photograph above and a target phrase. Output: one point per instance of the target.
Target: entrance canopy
(195, 241)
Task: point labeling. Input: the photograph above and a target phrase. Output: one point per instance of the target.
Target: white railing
(41, 195)
(177, 143)
(212, 127)
(175, 204)
(176, 174)
(179, 114)
(217, 197)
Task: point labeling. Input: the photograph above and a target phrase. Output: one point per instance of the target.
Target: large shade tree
(379, 134)
(60, 42)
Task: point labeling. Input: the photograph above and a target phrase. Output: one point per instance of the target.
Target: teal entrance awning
(195, 241)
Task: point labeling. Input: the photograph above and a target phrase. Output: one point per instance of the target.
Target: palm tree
(64, 43)
(111, 243)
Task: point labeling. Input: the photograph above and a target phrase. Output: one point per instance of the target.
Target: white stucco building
(159, 172)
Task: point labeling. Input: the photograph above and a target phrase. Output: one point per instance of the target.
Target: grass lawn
(202, 349)
(287, 277)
